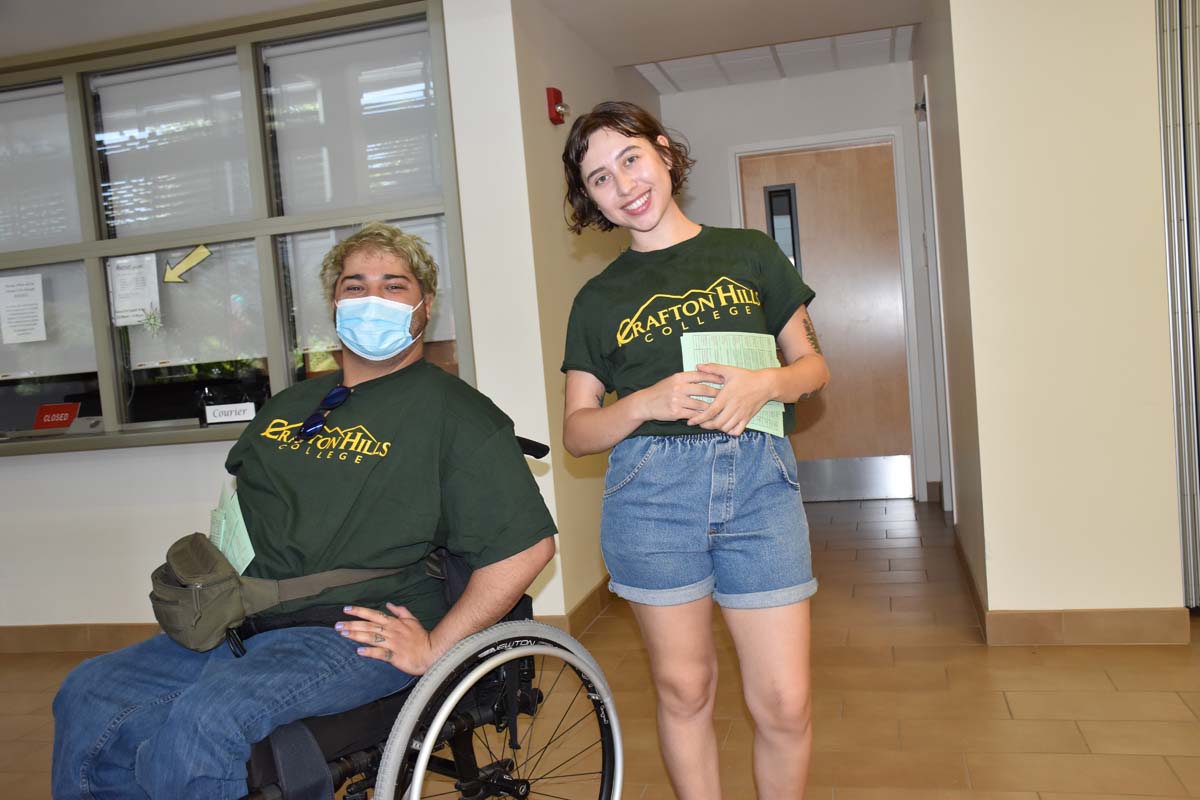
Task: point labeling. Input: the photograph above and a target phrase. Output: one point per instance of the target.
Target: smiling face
(628, 180)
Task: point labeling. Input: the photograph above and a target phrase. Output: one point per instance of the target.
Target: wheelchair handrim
(468, 682)
(524, 639)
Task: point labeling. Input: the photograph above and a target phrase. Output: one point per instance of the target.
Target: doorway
(834, 211)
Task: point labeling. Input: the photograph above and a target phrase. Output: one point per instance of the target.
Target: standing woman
(697, 509)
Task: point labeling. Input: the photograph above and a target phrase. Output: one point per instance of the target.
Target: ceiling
(789, 60)
(28, 26)
(625, 32)
(629, 32)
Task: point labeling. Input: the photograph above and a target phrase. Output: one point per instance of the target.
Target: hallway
(909, 704)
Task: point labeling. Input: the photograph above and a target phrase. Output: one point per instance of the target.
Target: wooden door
(850, 254)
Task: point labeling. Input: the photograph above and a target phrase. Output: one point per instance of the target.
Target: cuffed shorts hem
(771, 599)
(666, 597)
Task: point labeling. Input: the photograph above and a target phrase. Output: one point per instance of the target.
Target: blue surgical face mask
(374, 328)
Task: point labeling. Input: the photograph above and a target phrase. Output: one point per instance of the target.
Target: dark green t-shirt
(625, 323)
(413, 459)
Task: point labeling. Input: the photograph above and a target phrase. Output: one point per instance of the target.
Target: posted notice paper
(132, 288)
(745, 350)
(22, 309)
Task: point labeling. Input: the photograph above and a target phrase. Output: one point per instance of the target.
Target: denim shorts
(689, 516)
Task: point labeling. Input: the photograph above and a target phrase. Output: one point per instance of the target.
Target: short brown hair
(629, 120)
(381, 238)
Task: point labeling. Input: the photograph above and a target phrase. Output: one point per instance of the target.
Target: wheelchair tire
(581, 758)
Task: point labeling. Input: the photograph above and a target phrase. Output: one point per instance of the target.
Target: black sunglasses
(316, 421)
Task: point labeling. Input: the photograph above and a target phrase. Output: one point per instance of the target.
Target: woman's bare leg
(774, 647)
(683, 665)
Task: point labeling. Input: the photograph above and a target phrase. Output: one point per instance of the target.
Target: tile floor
(908, 704)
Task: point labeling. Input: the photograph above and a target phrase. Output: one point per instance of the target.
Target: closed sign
(55, 415)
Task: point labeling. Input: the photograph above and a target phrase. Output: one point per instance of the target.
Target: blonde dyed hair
(379, 237)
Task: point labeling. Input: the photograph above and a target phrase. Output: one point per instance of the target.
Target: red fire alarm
(555, 106)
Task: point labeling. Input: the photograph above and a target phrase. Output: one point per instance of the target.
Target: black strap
(453, 569)
(311, 617)
(299, 764)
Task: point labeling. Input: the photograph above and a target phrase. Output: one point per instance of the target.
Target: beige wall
(550, 54)
(933, 57)
(1062, 211)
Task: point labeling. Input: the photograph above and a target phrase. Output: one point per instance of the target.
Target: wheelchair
(518, 710)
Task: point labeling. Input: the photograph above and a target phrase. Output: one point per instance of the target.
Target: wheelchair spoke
(504, 743)
(536, 716)
(537, 688)
(569, 775)
(550, 743)
(556, 729)
(551, 774)
(572, 759)
(542, 753)
(483, 739)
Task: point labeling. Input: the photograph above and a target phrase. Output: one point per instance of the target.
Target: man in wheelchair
(369, 468)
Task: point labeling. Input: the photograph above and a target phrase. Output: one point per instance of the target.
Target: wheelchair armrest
(453, 569)
(531, 448)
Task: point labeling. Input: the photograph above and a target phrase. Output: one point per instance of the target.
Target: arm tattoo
(810, 394)
(600, 400)
(810, 333)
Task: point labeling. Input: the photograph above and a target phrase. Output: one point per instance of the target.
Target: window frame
(244, 36)
(790, 188)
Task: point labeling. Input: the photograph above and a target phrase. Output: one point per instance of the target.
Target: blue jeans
(158, 720)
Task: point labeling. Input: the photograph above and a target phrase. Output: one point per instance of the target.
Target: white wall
(551, 54)
(715, 121)
(82, 531)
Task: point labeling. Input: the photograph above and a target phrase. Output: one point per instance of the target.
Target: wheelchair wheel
(518, 710)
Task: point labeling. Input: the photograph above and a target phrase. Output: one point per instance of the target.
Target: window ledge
(21, 446)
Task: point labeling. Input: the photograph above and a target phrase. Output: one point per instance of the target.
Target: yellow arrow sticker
(175, 274)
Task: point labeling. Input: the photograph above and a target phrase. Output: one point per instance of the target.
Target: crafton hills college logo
(669, 314)
(335, 444)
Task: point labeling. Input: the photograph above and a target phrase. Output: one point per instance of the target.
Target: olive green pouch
(198, 596)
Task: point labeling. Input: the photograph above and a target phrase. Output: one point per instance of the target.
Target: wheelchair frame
(485, 680)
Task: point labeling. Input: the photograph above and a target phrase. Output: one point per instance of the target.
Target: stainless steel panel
(877, 478)
(1179, 84)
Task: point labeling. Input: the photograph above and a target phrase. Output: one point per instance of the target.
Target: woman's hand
(743, 394)
(399, 640)
(673, 397)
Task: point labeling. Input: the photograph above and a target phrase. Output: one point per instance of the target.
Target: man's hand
(743, 394)
(396, 638)
(399, 639)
